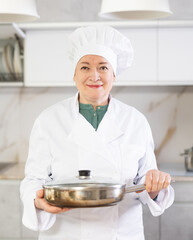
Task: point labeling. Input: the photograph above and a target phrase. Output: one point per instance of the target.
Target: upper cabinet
(144, 68)
(175, 56)
(47, 62)
(163, 53)
(46, 58)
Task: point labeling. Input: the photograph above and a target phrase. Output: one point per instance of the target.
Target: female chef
(92, 130)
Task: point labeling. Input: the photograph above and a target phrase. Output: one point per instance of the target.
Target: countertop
(12, 171)
(15, 171)
(177, 171)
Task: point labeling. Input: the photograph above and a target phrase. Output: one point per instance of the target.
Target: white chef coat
(62, 142)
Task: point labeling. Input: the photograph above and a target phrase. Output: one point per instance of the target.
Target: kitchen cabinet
(144, 68)
(47, 62)
(151, 225)
(176, 222)
(175, 56)
(46, 59)
(163, 53)
(10, 217)
(11, 213)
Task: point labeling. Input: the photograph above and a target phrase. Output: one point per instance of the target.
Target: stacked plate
(10, 63)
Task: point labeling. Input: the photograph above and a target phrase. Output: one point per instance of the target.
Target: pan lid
(84, 179)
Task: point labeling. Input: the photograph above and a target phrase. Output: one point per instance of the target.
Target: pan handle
(140, 187)
(135, 188)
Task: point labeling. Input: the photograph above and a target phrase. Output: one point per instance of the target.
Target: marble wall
(168, 110)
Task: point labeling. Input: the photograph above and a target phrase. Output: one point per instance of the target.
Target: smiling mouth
(94, 86)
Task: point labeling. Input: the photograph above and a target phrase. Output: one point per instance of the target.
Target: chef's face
(94, 78)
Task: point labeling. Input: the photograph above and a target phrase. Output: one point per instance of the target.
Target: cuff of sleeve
(164, 200)
(36, 219)
(45, 220)
(30, 219)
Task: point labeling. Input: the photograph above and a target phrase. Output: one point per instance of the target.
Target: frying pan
(87, 192)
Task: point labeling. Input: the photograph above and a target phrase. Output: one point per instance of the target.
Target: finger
(148, 181)
(167, 181)
(40, 193)
(155, 180)
(163, 180)
(66, 209)
(51, 209)
(160, 183)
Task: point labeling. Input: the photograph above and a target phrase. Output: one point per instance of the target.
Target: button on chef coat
(92, 116)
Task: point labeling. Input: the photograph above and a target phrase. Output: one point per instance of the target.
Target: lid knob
(84, 173)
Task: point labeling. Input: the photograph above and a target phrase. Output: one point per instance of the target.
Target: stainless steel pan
(86, 192)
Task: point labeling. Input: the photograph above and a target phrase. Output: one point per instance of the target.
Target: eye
(84, 68)
(104, 68)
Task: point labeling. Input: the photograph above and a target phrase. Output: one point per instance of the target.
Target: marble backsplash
(168, 109)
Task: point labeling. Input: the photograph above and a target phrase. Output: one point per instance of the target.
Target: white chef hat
(103, 41)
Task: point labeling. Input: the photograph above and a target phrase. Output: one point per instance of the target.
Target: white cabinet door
(144, 68)
(151, 225)
(176, 222)
(175, 56)
(10, 216)
(47, 62)
(163, 56)
(46, 58)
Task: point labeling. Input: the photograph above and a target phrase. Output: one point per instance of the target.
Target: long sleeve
(36, 173)
(166, 196)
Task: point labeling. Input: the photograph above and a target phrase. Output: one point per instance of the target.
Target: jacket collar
(85, 136)
(75, 106)
(108, 129)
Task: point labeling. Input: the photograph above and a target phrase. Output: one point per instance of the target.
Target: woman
(94, 131)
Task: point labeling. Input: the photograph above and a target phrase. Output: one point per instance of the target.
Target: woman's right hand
(42, 204)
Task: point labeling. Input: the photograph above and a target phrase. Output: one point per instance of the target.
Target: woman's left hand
(155, 181)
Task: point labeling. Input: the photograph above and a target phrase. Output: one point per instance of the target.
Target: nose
(94, 76)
